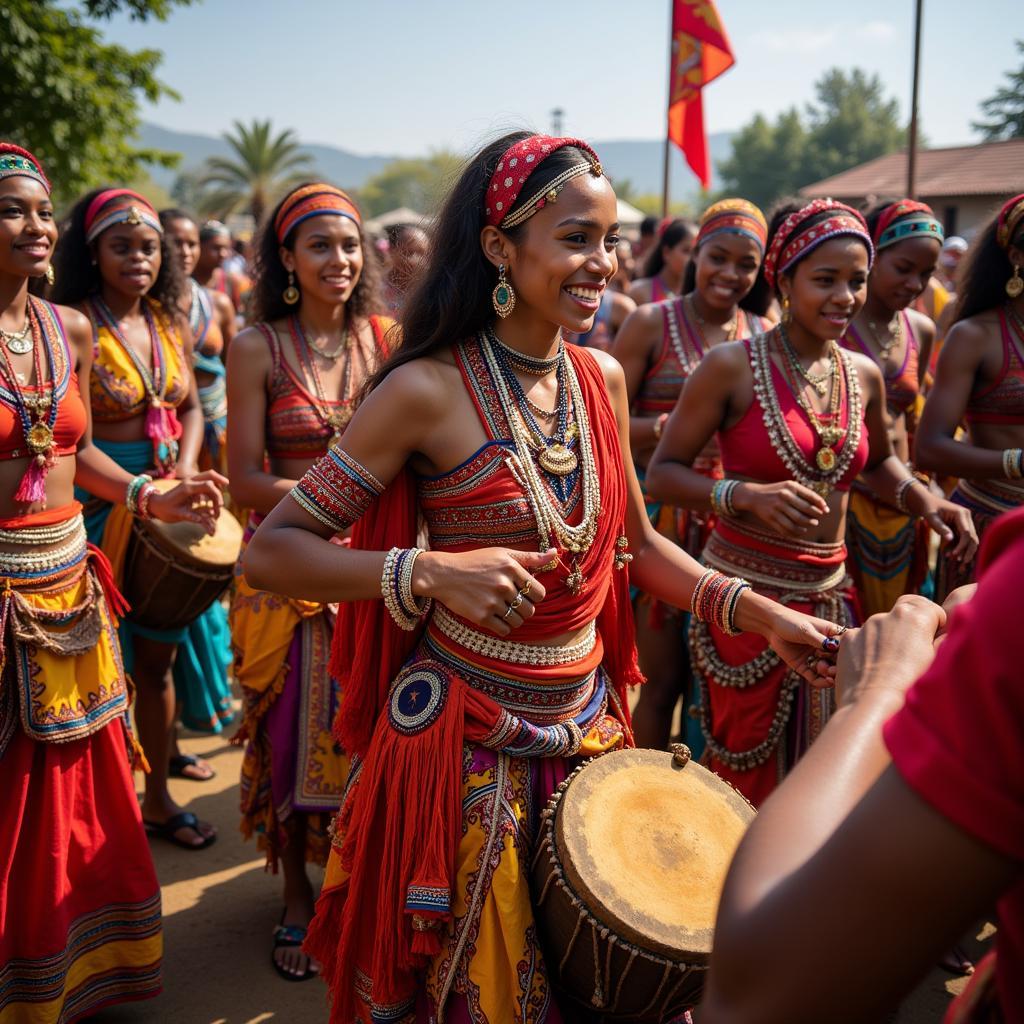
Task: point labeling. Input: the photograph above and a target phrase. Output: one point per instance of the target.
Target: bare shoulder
(622, 305)
(642, 324)
(922, 326)
(76, 325)
(868, 370)
(729, 360)
(251, 344)
(968, 341)
(222, 304)
(420, 388)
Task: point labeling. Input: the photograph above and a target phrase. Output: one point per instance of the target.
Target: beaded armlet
(337, 490)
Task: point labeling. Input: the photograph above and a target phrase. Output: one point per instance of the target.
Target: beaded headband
(313, 201)
(18, 162)
(734, 217)
(118, 206)
(791, 242)
(1010, 218)
(514, 168)
(906, 219)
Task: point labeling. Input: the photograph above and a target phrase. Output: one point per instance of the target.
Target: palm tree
(266, 165)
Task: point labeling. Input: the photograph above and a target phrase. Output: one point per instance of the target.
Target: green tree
(72, 98)
(265, 166)
(417, 183)
(1005, 109)
(767, 159)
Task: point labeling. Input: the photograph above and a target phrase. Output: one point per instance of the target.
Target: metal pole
(912, 146)
(668, 142)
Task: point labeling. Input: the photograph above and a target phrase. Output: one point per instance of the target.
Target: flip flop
(179, 762)
(289, 935)
(168, 830)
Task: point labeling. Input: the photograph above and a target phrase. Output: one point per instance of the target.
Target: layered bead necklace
(526, 463)
(336, 419)
(892, 339)
(829, 466)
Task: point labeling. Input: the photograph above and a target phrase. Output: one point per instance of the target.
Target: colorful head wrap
(906, 219)
(313, 201)
(1011, 216)
(18, 162)
(119, 206)
(734, 217)
(795, 238)
(516, 165)
(213, 229)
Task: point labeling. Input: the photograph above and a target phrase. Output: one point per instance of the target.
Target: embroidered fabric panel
(337, 490)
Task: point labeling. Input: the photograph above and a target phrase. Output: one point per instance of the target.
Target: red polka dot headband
(514, 168)
(792, 242)
(313, 201)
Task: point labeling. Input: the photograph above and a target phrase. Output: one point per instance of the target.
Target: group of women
(761, 417)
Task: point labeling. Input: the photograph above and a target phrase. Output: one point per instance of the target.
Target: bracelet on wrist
(396, 588)
(715, 599)
(146, 492)
(135, 486)
(659, 425)
(1013, 463)
(902, 490)
(721, 497)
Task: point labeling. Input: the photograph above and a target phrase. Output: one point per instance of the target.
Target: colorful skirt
(214, 401)
(758, 717)
(987, 500)
(79, 900)
(204, 646)
(888, 551)
(291, 764)
(482, 961)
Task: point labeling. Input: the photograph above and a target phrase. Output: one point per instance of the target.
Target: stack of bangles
(140, 489)
(721, 497)
(715, 599)
(1013, 463)
(902, 489)
(396, 588)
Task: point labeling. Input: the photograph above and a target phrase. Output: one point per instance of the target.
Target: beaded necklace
(819, 478)
(731, 327)
(335, 419)
(821, 382)
(536, 367)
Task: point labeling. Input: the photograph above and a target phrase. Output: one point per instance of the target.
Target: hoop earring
(787, 313)
(1016, 284)
(503, 297)
(50, 275)
(291, 293)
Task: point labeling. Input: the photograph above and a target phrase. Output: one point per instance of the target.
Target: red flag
(700, 53)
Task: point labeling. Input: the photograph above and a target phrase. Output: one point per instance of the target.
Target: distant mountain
(636, 161)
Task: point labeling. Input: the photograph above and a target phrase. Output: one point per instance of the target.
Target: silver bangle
(901, 494)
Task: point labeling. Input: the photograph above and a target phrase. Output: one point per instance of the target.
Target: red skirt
(79, 900)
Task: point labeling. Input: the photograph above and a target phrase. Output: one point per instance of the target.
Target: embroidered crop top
(295, 428)
(747, 450)
(71, 415)
(902, 387)
(1003, 400)
(116, 388)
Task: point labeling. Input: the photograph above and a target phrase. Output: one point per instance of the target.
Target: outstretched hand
(808, 645)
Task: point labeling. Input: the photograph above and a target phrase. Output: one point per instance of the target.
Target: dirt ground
(219, 910)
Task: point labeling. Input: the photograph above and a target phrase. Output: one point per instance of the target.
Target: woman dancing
(79, 900)
(666, 264)
(659, 346)
(498, 434)
(797, 420)
(115, 265)
(980, 380)
(293, 382)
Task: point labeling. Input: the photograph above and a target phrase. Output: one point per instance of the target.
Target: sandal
(290, 935)
(168, 830)
(179, 763)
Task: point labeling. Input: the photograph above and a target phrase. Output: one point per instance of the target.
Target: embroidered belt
(511, 651)
(992, 497)
(39, 568)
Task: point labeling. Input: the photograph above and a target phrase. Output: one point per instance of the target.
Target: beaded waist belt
(989, 496)
(33, 567)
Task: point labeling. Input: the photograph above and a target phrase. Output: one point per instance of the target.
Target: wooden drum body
(632, 856)
(173, 572)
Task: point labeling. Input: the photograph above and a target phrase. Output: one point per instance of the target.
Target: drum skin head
(190, 542)
(646, 844)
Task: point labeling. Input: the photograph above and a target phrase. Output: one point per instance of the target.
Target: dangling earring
(291, 293)
(503, 297)
(50, 275)
(1016, 284)
(787, 314)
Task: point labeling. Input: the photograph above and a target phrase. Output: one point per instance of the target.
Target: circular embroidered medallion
(418, 698)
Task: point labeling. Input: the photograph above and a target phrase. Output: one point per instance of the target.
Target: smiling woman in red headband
(506, 649)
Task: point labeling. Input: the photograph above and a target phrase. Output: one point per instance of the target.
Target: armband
(336, 490)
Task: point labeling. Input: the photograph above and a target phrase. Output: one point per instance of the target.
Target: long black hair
(78, 275)
(270, 278)
(984, 272)
(758, 300)
(678, 230)
(451, 299)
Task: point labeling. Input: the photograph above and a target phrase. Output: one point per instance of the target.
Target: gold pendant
(39, 438)
(832, 435)
(826, 460)
(576, 582)
(558, 460)
(821, 488)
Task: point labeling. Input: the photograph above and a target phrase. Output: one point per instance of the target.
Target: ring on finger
(516, 601)
(811, 660)
(508, 611)
(524, 590)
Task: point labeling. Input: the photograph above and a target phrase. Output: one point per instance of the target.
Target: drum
(173, 572)
(631, 859)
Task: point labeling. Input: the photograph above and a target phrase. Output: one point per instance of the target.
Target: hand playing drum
(196, 500)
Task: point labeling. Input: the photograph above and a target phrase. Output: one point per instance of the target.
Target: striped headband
(791, 242)
(18, 162)
(514, 168)
(118, 206)
(906, 219)
(313, 201)
(734, 217)
(1010, 218)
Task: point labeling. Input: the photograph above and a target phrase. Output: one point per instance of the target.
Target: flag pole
(668, 103)
(912, 142)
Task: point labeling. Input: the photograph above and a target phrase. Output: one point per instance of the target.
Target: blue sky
(408, 76)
